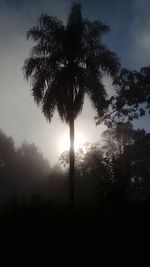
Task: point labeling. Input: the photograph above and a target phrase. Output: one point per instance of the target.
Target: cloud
(139, 53)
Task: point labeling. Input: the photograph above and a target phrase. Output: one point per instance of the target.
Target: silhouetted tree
(66, 63)
(93, 170)
(127, 155)
(132, 98)
(32, 160)
(7, 150)
(117, 137)
(7, 157)
(22, 169)
(138, 157)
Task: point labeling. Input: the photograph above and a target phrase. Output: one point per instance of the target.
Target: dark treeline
(112, 183)
(24, 171)
(118, 167)
(21, 169)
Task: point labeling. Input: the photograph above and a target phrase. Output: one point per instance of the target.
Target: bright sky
(20, 118)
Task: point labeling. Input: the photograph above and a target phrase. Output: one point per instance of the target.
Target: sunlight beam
(64, 142)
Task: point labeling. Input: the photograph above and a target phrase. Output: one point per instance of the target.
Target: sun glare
(64, 142)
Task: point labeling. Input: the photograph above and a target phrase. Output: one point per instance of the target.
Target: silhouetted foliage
(132, 98)
(67, 62)
(7, 150)
(127, 150)
(117, 137)
(138, 157)
(118, 169)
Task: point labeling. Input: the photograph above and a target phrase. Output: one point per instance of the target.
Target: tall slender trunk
(71, 170)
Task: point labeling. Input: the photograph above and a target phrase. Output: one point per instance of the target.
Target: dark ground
(43, 219)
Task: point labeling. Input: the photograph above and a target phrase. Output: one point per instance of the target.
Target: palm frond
(97, 93)
(32, 65)
(78, 103)
(40, 50)
(57, 96)
(47, 30)
(94, 30)
(49, 104)
(79, 90)
(75, 16)
(109, 62)
(39, 86)
(40, 72)
(73, 35)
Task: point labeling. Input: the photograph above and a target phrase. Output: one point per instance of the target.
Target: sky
(129, 21)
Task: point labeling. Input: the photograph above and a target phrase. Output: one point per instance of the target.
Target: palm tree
(67, 62)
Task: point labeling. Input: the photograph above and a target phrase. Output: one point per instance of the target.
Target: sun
(64, 142)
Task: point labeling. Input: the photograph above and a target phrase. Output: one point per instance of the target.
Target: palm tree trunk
(71, 170)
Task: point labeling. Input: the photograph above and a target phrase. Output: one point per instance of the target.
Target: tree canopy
(132, 96)
(67, 62)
